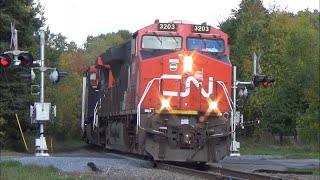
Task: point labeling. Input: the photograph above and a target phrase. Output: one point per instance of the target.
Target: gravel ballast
(110, 168)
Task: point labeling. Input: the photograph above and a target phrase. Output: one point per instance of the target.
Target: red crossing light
(267, 80)
(261, 79)
(5, 60)
(257, 79)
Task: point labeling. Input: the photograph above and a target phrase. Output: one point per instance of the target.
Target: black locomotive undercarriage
(163, 137)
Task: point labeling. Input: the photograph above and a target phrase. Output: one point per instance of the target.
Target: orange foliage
(73, 61)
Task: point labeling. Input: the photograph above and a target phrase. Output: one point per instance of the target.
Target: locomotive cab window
(156, 45)
(205, 44)
(208, 46)
(93, 77)
(161, 42)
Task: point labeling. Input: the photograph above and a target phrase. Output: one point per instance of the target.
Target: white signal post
(41, 145)
(43, 112)
(236, 117)
(234, 144)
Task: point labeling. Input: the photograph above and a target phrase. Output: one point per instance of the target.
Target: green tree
(15, 92)
(246, 28)
(294, 57)
(99, 44)
(247, 31)
(289, 47)
(72, 46)
(27, 17)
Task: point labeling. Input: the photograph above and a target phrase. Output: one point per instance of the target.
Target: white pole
(42, 66)
(254, 64)
(234, 144)
(41, 151)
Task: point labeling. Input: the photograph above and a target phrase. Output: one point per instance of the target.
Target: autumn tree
(75, 62)
(68, 103)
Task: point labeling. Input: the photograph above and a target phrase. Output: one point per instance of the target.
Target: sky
(76, 19)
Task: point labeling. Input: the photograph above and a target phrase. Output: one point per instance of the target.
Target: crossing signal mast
(43, 112)
(236, 116)
(40, 112)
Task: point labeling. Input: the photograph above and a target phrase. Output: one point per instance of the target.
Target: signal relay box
(42, 112)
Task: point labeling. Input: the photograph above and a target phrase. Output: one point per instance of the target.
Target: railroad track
(201, 171)
(215, 173)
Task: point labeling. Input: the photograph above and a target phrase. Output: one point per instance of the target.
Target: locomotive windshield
(155, 45)
(213, 48)
(161, 42)
(205, 44)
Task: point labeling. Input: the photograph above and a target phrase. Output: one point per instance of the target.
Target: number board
(167, 27)
(201, 28)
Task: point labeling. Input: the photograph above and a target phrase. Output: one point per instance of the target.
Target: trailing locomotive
(163, 94)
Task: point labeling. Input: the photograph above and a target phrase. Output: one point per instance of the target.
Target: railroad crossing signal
(5, 60)
(261, 79)
(30, 75)
(19, 57)
(26, 58)
(55, 75)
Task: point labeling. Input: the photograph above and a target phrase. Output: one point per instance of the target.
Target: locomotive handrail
(83, 102)
(230, 102)
(142, 98)
(94, 115)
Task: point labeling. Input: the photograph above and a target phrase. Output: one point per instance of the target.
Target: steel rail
(241, 174)
(215, 173)
(193, 172)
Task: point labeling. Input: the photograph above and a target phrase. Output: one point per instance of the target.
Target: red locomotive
(163, 94)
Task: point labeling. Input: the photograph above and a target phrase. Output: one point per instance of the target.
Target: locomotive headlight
(165, 103)
(187, 64)
(213, 105)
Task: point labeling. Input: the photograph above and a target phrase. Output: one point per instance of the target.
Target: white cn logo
(187, 88)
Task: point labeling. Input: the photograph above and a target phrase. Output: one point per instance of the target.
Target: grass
(290, 151)
(315, 171)
(15, 170)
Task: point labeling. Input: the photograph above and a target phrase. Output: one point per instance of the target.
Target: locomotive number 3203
(167, 26)
(201, 28)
